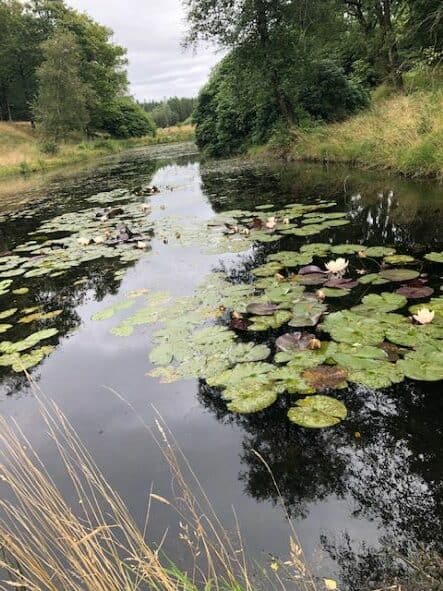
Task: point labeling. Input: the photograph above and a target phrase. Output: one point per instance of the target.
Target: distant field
(21, 147)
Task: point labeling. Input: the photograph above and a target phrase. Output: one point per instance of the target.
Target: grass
(22, 150)
(399, 132)
(47, 546)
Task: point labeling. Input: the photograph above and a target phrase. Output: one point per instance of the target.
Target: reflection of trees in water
(385, 209)
(96, 278)
(391, 474)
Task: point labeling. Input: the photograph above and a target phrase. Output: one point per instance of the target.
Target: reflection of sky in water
(377, 489)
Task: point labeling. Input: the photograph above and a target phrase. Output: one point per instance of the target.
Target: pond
(90, 275)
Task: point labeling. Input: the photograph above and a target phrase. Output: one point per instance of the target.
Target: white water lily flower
(338, 266)
(424, 316)
(271, 223)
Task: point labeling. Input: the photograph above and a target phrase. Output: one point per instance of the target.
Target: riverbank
(402, 133)
(22, 151)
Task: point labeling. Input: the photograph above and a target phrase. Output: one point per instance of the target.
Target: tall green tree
(61, 106)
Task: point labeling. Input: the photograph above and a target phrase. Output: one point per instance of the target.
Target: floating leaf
(427, 366)
(251, 396)
(261, 309)
(268, 269)
(348, 327)
(20, 291)
(261, 323)
(398, 259)
(289, 258)
(372, 279)
(307, 313)
(40, 316)
(294, 341)
(5, 327)
(347, 248)
(415, 293)
(385, 302)
(378, 251)
(310, 269)
(112, 310)
(399, 274)
(377, 374)
(311, 278)
(318, 411)
(7, 313)
(341, 283)
(4, 286)
(332, 292)
(434, 257)
(244, 371)
(324, 377)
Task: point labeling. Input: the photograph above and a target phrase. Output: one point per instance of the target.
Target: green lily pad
(20, 291)
(398, 259)
(434, 257)
(318, 411)
(7, 313)
(261, 323)
(372, 279)
(377, 374)
(112, 310)
(261, 308)
(251, 396)
(5, 327)
(427, 366)
(378, 251)
(324, 377)
(348, 327)
(291, 259)
(385, 302)
(268, 269)
(244, 371)
(347, 248)
(307, 313)
(4, 286)
(319, 249)
(399, 274)
(334, 292)
(40, 316)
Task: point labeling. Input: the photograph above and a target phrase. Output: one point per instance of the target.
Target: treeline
(60, 68)
(171, 111)
(295, 62)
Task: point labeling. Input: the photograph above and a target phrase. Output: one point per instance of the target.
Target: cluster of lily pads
(119, 231)
(217, 334)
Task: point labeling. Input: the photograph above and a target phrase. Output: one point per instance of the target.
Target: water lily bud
(314, 344)
(320, 295)
(286, 221)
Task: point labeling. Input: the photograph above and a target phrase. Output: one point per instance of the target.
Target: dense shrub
(123, 118)
(327, 94)
(239, 107)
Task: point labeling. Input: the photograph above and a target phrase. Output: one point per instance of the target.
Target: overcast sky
(152, 31)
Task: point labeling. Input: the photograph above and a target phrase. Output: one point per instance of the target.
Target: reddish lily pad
(415, 292)
(312, 278)
(261, 309)
(310, 269)
(341, 283)
(294, 341)
(324, 377)
(239, 324)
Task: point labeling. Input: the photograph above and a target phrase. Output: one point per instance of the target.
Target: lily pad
(347, 248)
(377, 374)
(251, 396)
(268, 269)
(261, 309)
(318, 411)
(294, 341)
(378, 251)
(427, 367)
(244, 371)
(385, 302)
(415, 293)
(5, 327)
(312, 278)
(7, 313)
(332, 292)
(398, 259)
(307, 313)
(434, 257)
(324, 377)
(399, 274)
(348, 327)
(262, 323)
(372, 279)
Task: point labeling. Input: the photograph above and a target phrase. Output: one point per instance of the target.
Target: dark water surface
(350, 497)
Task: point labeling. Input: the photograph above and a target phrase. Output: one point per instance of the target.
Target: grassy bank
(400, 132)
(23, 151)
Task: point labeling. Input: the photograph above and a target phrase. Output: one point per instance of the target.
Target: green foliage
(61, 102)
(170, 112)
(123, 118)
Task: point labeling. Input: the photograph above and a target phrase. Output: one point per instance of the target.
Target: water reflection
(381, 467)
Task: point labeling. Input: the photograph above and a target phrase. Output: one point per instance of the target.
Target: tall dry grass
(47, 546)
(402, 132)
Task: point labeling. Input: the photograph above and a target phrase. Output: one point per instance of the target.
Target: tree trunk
(389, 41)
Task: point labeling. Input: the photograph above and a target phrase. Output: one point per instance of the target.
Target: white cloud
(152, 32)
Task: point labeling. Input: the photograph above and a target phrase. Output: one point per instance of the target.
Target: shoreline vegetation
(402, 134)
(23, 151)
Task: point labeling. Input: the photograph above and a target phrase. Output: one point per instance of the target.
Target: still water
(352, 498)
